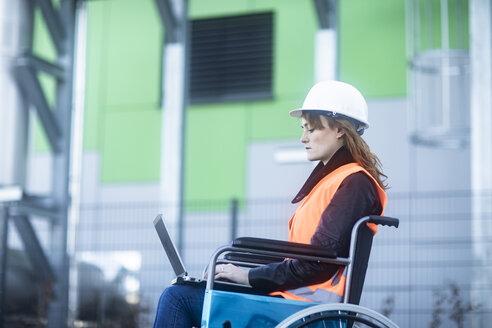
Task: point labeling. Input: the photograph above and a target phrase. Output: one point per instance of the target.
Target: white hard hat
(335, 98)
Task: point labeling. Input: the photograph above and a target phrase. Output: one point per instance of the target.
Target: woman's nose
(304, 139)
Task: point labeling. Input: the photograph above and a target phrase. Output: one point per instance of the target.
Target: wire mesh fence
(430, 272)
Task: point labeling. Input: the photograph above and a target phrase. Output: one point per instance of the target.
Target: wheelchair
(228, 308)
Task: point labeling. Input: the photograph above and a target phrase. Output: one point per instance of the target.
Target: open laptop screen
(169, 247)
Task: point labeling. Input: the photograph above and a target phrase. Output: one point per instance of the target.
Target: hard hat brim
(296, 113)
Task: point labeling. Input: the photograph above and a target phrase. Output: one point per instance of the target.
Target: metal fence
(420, 275)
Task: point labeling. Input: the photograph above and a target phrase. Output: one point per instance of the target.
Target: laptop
(182, 277)
(171, 251)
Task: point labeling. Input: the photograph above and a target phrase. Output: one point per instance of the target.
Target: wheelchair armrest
(253, 258)
(384, 220)
(282, 246)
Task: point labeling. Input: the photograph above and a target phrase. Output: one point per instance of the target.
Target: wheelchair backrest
(360, 250)
(360, 263)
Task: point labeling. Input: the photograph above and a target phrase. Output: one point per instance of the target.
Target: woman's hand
(232, 273)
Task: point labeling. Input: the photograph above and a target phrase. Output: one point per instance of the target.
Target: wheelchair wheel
(336, 315)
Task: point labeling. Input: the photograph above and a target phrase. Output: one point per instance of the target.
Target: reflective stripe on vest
(304, 223)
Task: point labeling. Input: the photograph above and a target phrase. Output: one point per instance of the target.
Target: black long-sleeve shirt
(355, 198)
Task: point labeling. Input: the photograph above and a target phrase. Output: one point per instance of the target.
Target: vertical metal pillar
(76, 155)
(481, 155)
(174, 15)
(7, 196)
(326, 46)
(57, 123)
(15, 37)
(16, 24)
(3, 258)
(58, 309)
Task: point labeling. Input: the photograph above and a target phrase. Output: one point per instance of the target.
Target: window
(231, 58)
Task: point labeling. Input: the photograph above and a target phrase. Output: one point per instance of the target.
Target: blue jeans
(180, 306)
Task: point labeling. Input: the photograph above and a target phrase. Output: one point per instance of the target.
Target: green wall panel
(95, 89)
(122, 94)
(131, 146)
(459, 24)
(430, 36)
(215, 8)
(295, 26)
(272, 120)
(133, 53)
(215, 152)
(431, 25)
(372, 46)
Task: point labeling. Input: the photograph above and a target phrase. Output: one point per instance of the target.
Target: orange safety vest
(303, 224)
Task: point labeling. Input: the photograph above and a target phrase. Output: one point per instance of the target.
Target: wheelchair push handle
(384, 220)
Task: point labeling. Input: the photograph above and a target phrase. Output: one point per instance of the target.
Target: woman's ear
(340, 133)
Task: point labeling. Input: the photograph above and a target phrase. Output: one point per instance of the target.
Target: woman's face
(320, 144)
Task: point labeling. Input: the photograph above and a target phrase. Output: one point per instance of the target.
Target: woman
(346, 185)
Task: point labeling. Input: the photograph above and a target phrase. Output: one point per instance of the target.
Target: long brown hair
(357, 147)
